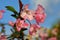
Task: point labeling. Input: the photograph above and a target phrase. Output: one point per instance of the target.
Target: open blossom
(26, 13)
(40, 14)
(20, 24)
(33, 29)
(1, 13)
(40, 18)
(30, 15)
(23, 13)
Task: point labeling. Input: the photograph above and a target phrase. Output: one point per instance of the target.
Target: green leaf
(23, 29)
(12, 30)
(10, 37)
(13, 15)
(3, 31)
(10, 8)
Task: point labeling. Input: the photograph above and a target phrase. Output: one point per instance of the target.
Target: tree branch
(20, 5)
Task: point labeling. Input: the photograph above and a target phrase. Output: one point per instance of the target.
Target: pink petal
(40, 7)
(19, 23)
(1, 13)
(11, 23)
(26, 6)
(40, 18)
(34, 33)
(31, 29)
(30, 16)
(41, 34)
(18, 28)
(25, 25)
(23, 15)
(30, 32)
(1, 16)
(40, 14)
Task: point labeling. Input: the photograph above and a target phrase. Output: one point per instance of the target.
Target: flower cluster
(21, 24)
(33, 29)
(39, 15)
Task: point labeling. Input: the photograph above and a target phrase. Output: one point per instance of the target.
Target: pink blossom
(1, 13)
(26, 7)
(40, 14)
(39, 9)
(20, 24)
(52, 38)
(40, 18)
(30, 15)
(23, 15)
(26, 13)
(3, 37)
(23, 12)
(25, 25)
(33, 29)
(11, 23)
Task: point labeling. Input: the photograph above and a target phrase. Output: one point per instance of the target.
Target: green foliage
(58, 33)
(49, 34)
(17, 34)
(57, 26)
(10, 8)
(15, 16)
(2, 30)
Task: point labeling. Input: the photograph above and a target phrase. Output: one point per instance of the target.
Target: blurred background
(52, 9)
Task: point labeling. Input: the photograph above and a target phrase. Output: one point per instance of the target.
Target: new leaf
(10, 8)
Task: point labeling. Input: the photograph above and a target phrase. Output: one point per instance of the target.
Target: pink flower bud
(11, 23)
(1, 13)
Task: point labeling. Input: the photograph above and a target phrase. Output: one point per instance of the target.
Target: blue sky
(52, 9)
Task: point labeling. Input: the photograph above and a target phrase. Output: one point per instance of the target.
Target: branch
(20, 5)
